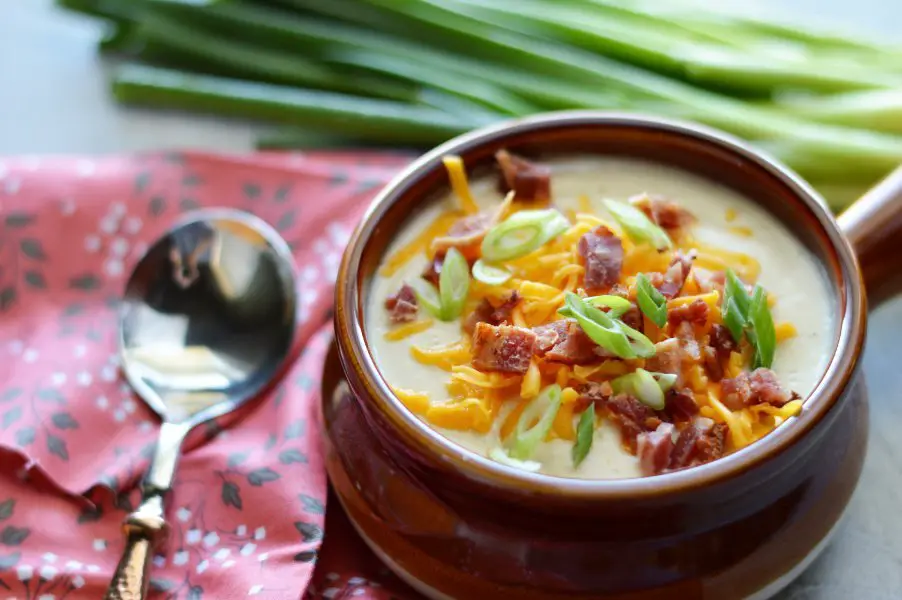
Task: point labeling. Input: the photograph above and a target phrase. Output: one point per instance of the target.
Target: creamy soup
(796, 285)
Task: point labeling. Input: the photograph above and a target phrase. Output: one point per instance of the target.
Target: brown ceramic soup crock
(457, 525)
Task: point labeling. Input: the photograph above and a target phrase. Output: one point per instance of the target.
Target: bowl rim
(440, 450)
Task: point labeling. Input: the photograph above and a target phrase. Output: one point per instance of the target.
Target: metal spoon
(207, 321)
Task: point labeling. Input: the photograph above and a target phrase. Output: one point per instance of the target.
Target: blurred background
(108, 76)
(240, 75)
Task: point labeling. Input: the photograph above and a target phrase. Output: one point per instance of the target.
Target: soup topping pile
(570, 319)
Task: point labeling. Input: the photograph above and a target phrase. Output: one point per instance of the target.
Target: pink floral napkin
(248, 513)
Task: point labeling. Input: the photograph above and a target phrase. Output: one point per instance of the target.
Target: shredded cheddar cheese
(417, 402)
(741, 231)
(420, 244)
(407, 330)
(459, 184)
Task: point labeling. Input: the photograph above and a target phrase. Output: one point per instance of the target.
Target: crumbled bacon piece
(680, 405)
(402, 306)
(565, 342)
(712, 363)
(466, 235)
(653, 449)
(631, 417)
(592, 393)
(602, 254)
(696, 312)
(758, 387)
(699, 442)
(633, 318)
(721, 340)
(618, 289)
(667, 358)
(676, 274)
(433, 270)
(502, 348)
(709, 281)
(530, 181)
(663, 212)
(685, 333)
(486, 312)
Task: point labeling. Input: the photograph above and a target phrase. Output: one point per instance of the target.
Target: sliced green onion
(665, 381)
(735, 307)
(617, 305)
(611, 334)
(585, 433)
(733, 318)
(761, 332)
(526, 439)
(490, 274)
(600, 328)
(641, 345)
(637, 226)
(453, 284)
(521, 233)
(651, 302)
(427, 296)
(499, 455)
(641, 384)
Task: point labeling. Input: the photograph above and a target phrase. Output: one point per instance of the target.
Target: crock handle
(874, 226)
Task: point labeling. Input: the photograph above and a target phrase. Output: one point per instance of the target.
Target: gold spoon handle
(144, 529)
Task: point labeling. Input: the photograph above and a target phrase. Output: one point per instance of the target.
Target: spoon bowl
(208, 315)
(207, 321)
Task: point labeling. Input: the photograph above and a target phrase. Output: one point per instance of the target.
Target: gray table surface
(53, 99)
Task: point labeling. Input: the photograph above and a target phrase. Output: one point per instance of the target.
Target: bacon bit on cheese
(407, 330)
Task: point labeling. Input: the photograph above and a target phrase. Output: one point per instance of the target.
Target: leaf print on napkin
(305, 556)
(142, 180)
(312, 505)
(231, 495)
(17, 220)
(35, 279)
(32, 248)
(286, 221)
(237, 458)
(251, 190)
(25, 436)
(6, 508)
(64, 420)
(287, 457)
(282, 193)
(260, 476)
(11, 416)
(57, 446)
(8, 561)
(186, 204)
(84, 282)
(295, 430)
(10, 394)
(14, 536)
(156, 206)
(309, 531)
(7, 297)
